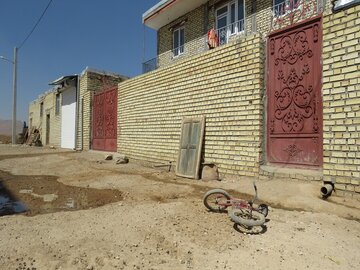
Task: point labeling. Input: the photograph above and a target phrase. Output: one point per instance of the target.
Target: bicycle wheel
(246, 217)
(216, 200)
(263, 209)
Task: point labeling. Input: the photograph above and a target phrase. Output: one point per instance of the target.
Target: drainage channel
(34, 195)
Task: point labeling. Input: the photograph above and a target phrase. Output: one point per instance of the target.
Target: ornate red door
(294, 112)
(105, 121)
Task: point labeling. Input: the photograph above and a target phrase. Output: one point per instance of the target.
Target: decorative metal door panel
(294, 112)
(105, 121)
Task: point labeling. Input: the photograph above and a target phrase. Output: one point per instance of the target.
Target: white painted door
(68, 117)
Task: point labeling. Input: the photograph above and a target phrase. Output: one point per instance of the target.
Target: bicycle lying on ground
(243, 212)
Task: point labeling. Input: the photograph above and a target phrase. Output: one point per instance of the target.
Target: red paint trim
(162, 9)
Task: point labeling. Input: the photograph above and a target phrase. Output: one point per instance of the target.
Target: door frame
(290, 28)
(103, 92)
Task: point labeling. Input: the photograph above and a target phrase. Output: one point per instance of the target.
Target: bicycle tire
(214, 206)
(263, 209)
(243, 217)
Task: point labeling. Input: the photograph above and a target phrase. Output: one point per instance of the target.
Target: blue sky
(105, 35)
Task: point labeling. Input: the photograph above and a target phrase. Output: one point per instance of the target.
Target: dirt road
(87, 213)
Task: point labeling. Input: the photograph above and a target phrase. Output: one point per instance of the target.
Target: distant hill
(6, 127)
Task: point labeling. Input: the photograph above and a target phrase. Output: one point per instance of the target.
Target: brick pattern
(258, 18)
(84, 117)
(263, 15)
(90, 83)
(48, 99)
(55, 122)
(224, 84)
(341, 97)
(194, 37)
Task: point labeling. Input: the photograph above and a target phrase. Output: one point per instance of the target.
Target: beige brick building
(91, 82)
(214, 84)
(247, 87)
(249, 17)
(46, 113)
(229, 85)
(341, 96)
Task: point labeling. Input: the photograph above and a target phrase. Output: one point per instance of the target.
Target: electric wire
(36, 24)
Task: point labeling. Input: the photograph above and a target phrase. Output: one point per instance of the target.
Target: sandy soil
(5, 139)
(134, 217)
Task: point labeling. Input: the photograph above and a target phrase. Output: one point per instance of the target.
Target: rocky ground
(87, 213)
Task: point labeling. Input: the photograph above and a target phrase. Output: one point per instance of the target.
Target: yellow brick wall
(258, 18)
(224, 84)
(90, 83)
(194, 37)
(341, 97)
(48, 99)
(85, 98)
(34, 114)
(55, 123)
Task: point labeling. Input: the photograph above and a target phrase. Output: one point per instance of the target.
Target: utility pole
(14, 63)
(14, 96)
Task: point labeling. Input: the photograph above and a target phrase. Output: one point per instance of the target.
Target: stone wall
(225, 85)
(341, 97)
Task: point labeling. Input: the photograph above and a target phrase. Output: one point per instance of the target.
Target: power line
(36, 24)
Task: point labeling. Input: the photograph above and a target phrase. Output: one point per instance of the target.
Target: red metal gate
(105, 121)
(294, 112)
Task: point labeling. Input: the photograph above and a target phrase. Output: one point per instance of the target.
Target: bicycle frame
(242, 211)
(239, 203)
(236, 203)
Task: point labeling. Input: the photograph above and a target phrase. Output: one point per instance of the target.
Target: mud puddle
(8, 204)
(34, 195)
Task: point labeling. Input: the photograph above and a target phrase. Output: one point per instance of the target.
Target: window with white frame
(342, 4)
(230, 20)
(178, 41)
(281, 7)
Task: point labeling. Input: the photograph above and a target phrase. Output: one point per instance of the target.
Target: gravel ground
(130, 216)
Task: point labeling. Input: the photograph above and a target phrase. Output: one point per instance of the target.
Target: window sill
(178, 56)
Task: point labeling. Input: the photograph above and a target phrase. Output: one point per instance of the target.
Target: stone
(122, 160)
(108, 157)
(50, 197)
(209, 172)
